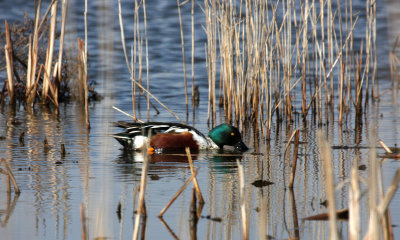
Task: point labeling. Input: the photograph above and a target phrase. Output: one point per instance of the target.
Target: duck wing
(153, 128)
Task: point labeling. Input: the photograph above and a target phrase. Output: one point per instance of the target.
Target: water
(98, 175)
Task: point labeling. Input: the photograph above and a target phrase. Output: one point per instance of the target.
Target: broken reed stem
(326, 157)
(383, 206)
(195, 183)
(290, 140)
(11, 176)
(127, 114)
(10, 64)
(387, 149)
(64, 10)
(147, 58)
(354, 203)
(168, 228)
(83, 221)
(178, 193)
(49, 54)
(143, 182)
(295, 154)
(192, 14)
(183, 52)
(242, 201)
(373, 174)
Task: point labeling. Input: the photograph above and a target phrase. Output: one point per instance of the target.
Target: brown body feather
(173, 141)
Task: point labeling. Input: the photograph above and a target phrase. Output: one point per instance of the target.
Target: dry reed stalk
(86, 87)
(11, 176)
(49, 54)
(354, 203)
(295, 154)
(294, 212)
(326, 157)
(195, 183)
(177, 194)
(33, 57)
(147, 59)
(387, 149)
(340, 97)
(121, 25)
(168, 228)
(374, 167)
(31, 92)
(383, 206)
(86, 37)
(211, 57)
(193, 219)
(140, 210)
(83, 221)
(127, 114)
(64, 10)
(8, 48)
(192, 60)
(243, 201)
(183, 51)
(83, 80)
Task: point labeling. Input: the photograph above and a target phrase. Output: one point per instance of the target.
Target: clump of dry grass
(36, 70)
(269, 57)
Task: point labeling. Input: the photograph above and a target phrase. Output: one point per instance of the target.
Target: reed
(10, 64)
(141, 205)
(243, 201)
(32, 49)
(294, 161)
(135, 66)
(326, 157)
(46, 88)
(354, 203)
(10, 176)
(83, 222)
(160, 215)
(195, 183)
(266, 58)
(183, 51)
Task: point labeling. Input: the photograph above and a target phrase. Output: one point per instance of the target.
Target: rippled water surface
(98, 176)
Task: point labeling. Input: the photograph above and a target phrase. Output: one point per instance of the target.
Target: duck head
(226, 134)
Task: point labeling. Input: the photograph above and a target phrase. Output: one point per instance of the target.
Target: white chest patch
(140, 142)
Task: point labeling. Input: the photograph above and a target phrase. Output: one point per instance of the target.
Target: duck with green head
(160, 137)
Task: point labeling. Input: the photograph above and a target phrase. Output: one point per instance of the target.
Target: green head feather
(226, 134)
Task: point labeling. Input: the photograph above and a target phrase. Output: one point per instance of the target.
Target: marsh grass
(287, 57)
(35, 60)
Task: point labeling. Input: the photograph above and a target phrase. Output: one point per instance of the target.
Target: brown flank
(173, 141)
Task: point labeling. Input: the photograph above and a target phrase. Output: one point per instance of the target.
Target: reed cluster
(261, 53)
(379, 224)
(35, 62)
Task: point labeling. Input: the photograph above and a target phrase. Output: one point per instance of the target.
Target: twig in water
(143, 182)
(295, 154)
(196, 184)
(177, 194)
(326, 157)
(11, 175)
(243, 201)
(387, 149)
(83, 221)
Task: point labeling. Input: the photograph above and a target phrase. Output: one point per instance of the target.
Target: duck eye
(232, 134)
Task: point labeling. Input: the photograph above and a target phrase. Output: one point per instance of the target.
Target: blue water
(98, 175)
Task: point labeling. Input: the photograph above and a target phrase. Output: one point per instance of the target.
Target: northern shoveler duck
(176, 137)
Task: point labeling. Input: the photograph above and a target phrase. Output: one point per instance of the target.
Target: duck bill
(240, 146)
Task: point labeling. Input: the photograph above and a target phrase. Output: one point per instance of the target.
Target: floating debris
(362, 167)
(261, 183)
(21, 138)
(342, 214)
